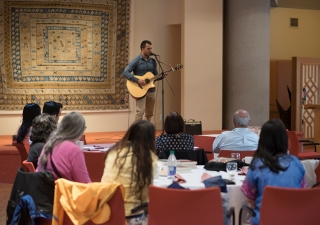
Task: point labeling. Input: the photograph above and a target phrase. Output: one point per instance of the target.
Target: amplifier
(193, 127)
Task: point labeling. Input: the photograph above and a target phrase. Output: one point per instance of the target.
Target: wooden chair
(227, 153)
(295, 144)
(292, 206)
(29, 166)
(188, 207)
(23, 153)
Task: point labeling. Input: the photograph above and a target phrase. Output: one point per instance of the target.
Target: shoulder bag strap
(54, 167)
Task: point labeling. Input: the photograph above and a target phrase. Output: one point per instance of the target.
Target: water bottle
(172, 165)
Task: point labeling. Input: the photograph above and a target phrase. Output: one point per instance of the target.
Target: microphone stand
(162, 90)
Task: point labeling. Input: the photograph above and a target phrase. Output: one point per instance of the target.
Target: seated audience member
(240, 138)
(30, 111)
(132, 163)
(53, 108)
(42, 126)
(174, 139)
(271, 166)
(61, 155)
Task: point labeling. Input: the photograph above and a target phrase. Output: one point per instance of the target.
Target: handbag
(221, 166)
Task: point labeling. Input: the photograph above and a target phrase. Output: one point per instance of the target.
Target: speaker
(193, 127)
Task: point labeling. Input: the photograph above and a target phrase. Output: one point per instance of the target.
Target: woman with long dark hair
(271, 166)
(132, 163)
(30, 111)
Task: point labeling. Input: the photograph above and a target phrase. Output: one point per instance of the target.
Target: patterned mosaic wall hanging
(70, 51)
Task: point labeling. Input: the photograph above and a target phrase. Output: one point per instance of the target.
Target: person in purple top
(61, 155)
(271, 166)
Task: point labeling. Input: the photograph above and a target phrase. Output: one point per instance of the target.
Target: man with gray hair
(240, 138)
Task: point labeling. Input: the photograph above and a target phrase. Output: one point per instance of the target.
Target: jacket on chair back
(40, 187)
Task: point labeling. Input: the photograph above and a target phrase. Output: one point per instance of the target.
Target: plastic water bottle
(172, 165)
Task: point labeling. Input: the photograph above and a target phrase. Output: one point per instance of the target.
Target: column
(246, 60)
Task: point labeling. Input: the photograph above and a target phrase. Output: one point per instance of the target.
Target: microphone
(154, 54)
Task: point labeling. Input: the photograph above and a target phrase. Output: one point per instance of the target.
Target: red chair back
(83, 138)
(227, 153)
(294, 146)
(117, 211)
(23, 153)
(95, 164)
(175, 206)
(290, 206)
(29, 166)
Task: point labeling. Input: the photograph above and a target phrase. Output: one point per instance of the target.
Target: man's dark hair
(52, 108)
(144, 43)
(173, 123)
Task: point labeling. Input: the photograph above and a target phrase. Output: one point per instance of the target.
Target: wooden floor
(5, 190)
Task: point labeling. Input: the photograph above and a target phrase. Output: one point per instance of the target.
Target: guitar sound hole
(147, 81)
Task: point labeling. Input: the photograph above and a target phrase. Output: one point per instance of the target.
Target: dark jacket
(39, 186)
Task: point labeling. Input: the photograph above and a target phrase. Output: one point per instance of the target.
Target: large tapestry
(69, 51)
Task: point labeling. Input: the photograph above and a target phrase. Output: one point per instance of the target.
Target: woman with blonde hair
(132, 163)
(61, 155)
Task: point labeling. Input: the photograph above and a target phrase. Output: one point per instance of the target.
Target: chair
(40, 186)
(188, 207)
(198, 155)
(23, 153)
(295, 144)
(29, 166)
(227, 153)
(95, 164)
(117, 212)
(292, 206)
(83, 138)
(116, 204)
(316, 185)
(205, 142)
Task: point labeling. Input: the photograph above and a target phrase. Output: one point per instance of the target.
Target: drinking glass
(235, 156)
(232, 168)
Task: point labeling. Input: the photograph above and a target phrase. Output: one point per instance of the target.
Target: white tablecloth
(236, 197)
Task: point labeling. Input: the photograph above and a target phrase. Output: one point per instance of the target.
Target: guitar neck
(160, 75)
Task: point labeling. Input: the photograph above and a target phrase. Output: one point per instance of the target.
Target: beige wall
(161, 22)
(202, 56)
(287, 42)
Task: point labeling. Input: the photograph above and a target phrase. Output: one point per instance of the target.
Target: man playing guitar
(140, 65)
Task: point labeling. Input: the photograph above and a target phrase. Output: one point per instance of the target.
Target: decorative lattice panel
(310, 81)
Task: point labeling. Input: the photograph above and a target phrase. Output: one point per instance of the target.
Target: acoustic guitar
(138, 91)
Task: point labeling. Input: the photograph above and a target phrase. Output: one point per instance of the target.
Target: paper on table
(97, 149)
